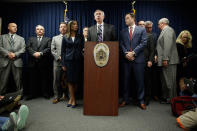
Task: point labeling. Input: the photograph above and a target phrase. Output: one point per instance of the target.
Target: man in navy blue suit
(132, 43)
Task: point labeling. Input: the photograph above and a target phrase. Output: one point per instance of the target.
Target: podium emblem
(101, 54)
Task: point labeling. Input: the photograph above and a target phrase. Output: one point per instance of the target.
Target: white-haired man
(167, 59)
(101, 31)
(39, 64)
(155, 69)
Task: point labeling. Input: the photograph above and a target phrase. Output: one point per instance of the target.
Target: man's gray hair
(164, 20)
(40, 26)
(148, 23)
(102, 12)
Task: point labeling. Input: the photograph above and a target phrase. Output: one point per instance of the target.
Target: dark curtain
(27, 15)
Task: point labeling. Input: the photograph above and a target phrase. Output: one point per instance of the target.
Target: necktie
(131, 36)
(39, 38)
(99, 33)
(12, 41)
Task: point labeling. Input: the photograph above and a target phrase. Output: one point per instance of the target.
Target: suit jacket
(166, 46)
(137, 44)
(149, 50)
(72, 51)
(108, 33)
(56, 45)
(32, 47)
(5, 48)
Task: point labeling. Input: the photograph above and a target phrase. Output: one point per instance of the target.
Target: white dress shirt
(12, 36)
(40, 38)
(133, 28)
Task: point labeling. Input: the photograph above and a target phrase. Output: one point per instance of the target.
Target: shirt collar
(100, 24)
(164, 27)
(11, 34)
(133, 26)
(39, 36)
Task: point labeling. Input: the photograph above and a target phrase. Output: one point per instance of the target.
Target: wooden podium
(101, 83)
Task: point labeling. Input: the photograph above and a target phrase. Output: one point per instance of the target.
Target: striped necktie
(99, 33)
(12, 40)
(39, 38)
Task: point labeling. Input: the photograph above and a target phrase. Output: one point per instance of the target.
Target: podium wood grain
(101, 83)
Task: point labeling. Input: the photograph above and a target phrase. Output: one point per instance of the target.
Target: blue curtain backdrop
(28, 15)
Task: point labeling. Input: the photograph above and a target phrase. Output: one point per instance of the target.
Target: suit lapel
(134, 32)
(162, 32)
(40, 42)
(15, 39)
(95, 32)
(8, 38)
(127, 34)
(104, 30)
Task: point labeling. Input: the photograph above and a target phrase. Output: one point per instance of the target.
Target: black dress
(183, 71)
(72, 58)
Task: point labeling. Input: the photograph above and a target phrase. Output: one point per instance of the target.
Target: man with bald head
(12, 46)
(167, 57)
(101, 31)
(39, 64)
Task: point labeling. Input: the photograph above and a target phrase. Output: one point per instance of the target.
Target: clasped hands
(11, 55)
(37, 54)
(130, 55)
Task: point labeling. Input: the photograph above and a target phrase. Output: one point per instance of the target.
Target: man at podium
(101, 31)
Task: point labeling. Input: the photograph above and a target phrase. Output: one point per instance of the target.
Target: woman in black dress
(72, 59)
(184, 45)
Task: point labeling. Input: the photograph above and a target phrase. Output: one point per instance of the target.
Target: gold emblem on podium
(101, 54)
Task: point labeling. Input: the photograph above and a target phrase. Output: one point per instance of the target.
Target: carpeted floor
(45, 116)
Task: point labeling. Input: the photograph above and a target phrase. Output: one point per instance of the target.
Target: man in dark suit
(156, 85)
(132, 44)
(12, 46)
(149, 52)
(38, 49)
(101, 31)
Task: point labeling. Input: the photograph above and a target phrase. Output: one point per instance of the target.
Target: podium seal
(101, 54)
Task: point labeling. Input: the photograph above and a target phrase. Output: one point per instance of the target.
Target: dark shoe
(147, 102)
(55, 101)
(155, 98)
(143, 106)
(69, 105)
(123, 104)
(47, 97)
(164, 101)
(74, 106)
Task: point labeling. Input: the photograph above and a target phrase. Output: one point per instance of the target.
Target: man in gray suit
(101, 31)
(12, 46)
(57, 66)
(167, 59)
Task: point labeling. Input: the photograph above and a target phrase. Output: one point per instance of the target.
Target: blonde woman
(184, 45)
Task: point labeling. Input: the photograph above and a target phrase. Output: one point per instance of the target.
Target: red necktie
(131, 35)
